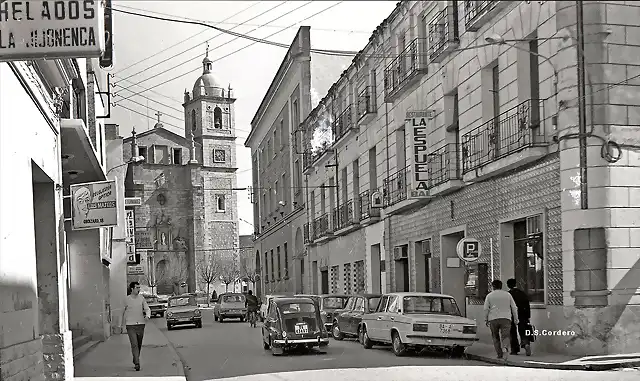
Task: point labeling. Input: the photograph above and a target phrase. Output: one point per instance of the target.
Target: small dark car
(183, 309)
(293, 323)
(347, 320)
(328, 306)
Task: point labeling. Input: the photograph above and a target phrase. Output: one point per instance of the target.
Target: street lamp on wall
(133, 160)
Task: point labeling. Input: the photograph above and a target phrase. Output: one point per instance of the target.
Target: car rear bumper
(301, 341)
(438, 341)
(233, 314)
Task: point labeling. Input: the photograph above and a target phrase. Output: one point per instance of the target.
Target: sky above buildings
(155, 60)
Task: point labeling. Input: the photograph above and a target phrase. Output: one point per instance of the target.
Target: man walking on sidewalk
(499, 310)
(524, 315)
(136, 311)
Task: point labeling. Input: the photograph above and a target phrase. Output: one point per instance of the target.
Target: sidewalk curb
(589, 367)
(182, 368)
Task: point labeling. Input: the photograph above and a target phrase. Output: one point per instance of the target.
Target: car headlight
(197, 312)
(469, 329)
(169, 314)
(284, 334)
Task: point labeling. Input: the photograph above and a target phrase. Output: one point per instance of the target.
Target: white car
(418, 320)
(265, 304)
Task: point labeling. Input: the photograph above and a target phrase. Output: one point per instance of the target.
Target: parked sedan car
(346, 321)
(329, 304)
(417, 320)
(265, 304)
(293, 323)
(230, 306)
(183, 309)
(157, 308)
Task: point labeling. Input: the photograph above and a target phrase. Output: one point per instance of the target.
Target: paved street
(229, 349)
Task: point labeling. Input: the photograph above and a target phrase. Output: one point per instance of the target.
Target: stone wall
(58, 356)
(23, 361)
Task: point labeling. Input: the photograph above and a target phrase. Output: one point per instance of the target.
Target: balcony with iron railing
(345, 219)
(306, 233)
(367, 105)
(404, 72)
(477, 13)
(511, 139)
(343, 126)
(321, 228)
(368, 214)
(394, 187)
(443, 33)
(443, 167)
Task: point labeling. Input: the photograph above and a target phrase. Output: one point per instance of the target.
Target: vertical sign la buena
(416, 126)
(37, 29)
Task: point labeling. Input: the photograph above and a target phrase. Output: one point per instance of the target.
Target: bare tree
(209, 270)
(175, 273)
(249, 274)
(229, 274)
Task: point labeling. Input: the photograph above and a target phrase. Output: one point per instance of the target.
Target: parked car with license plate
(265, 304)
(293, 323)
(417, 320)
(157, 308)
(346, 321)
(183, 309)
(230, 306)
(329, 304)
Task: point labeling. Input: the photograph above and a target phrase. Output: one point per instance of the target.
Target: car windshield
(296, 308)
(233, 298)
(373, 303)
(151, 299)
(429, 305)
(334, 302)
(183, 301)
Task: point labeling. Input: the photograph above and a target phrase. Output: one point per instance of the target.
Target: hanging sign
(469, 249)
(94, 205)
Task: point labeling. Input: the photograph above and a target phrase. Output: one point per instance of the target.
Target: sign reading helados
(50, 29)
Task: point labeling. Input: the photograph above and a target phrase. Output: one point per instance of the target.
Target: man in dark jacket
(524, 316)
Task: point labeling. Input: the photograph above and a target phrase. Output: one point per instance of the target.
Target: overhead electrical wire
(246, 46)
(208, 40)
(185, 40)
(232, 23)
(192, 59)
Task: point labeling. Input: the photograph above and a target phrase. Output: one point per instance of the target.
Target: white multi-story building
(529, 116)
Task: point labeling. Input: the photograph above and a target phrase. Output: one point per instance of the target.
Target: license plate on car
(445, 328)
(301, 329)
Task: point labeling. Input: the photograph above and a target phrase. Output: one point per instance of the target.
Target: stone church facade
(189, 212)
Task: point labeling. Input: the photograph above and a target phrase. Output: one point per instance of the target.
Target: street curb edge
(182, 368)
(588, 367)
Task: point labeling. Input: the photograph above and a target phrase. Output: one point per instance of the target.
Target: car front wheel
(337, 333)
(364, 339)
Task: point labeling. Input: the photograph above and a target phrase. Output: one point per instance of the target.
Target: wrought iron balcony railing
(344, 215)
(475, 11)
(305, 233)
(443, 165)
(443, 31)
(342, 124)
(367, 102)
(307, 159)
(321, 227)
(509, 132)
(366, 211)
(406, 66)
(394, 187)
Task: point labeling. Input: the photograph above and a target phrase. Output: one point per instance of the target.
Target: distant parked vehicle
(183, 309)
(265, 303)
(329, 304)
(230, 306)
(347, 320)
(157, 308)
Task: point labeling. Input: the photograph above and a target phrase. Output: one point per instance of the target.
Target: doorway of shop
(401, 254)
(453, 269)
(324, 281)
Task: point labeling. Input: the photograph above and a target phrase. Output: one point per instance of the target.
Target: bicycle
(252, 318)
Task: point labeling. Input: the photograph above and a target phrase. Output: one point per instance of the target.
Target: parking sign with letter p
(469, 249)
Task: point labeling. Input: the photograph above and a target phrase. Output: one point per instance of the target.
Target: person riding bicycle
(251, 303)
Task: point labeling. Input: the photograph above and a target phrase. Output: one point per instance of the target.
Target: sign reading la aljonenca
(94, 205)
(51, 29)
